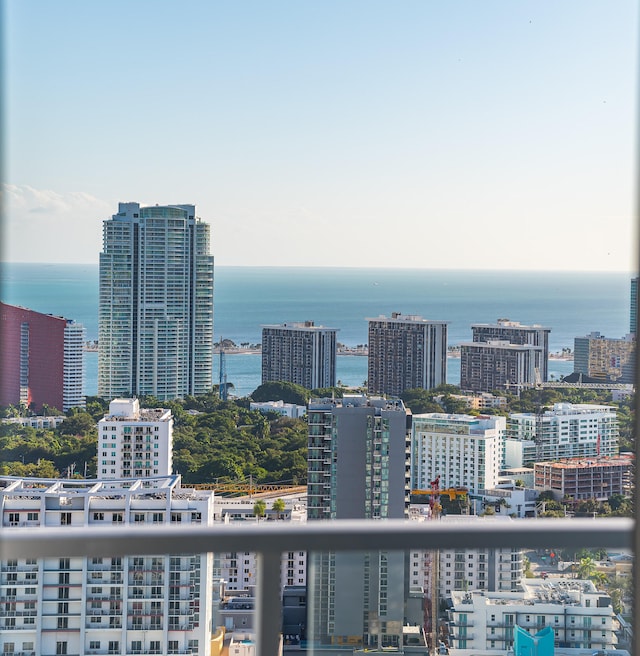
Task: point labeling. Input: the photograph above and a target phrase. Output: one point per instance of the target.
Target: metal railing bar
(268, 603)
(339, 535)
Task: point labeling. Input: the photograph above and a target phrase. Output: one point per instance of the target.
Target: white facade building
(464, 451)
(37, 421)
(155, 319)
(285, 409)
(580, 616)
(134, 442)
(73, 367)
(566, 431)
(119, 605)
(467, 569)
(238, 570)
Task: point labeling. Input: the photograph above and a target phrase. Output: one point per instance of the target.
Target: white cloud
(43, 225)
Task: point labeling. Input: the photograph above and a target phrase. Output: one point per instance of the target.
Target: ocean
(570, 303)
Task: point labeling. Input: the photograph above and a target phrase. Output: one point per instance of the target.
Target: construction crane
(250, 488)
(435, 511)
(452, 492)
(223, 373)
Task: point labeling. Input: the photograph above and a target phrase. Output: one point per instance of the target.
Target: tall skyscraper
(155, 332)
(300, 353)
(406, 352)
(515, 333)
(358, 468)
(41, 360)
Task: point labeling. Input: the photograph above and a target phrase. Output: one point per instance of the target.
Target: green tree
(281, 391)
(78, 423)
(278, 507)
(420, 400)
(259, 509)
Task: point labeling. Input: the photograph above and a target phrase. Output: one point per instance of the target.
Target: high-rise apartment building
(462, 450)
(42, 360)
(605, 359)
(155, 333)
(357, 469)
(500, 365)
(469, 569)
(515, 333)
(134, 442)
(118, 605)
(300, 353)
(406, 352)
(565, 431)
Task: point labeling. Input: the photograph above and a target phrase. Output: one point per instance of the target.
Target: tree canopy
(281, 391)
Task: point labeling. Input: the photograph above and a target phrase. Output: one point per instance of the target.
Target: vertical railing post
(268, 603)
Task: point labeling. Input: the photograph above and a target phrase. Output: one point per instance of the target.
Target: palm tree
(586, 568)
(259, 509)
(278, 507)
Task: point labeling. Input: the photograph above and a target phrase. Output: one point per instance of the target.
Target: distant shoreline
(453, 352)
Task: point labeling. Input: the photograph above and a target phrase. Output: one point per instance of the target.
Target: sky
(464, 134)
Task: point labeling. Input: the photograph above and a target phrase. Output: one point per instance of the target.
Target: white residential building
(462, 450)
(468, 569)
(580, 616)
(285, 409)
(238, 570)
(119, 605)
(565, 431)
(134, 442)
(37, 421)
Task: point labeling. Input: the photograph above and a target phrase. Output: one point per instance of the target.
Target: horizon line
(356, 267)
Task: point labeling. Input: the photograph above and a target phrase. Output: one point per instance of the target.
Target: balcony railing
(275, 538)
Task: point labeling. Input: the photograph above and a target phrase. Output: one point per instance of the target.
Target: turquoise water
(570, 303)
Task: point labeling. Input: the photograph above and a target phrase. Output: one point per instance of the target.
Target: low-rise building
(579, 478)
(581, 616)
(280, 407)
(38, 422)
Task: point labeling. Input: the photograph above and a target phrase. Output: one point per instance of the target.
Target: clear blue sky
(458, 134)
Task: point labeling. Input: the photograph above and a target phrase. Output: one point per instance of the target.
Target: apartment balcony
(270, 539)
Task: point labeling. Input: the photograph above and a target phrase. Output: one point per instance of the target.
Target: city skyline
(491, 136)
